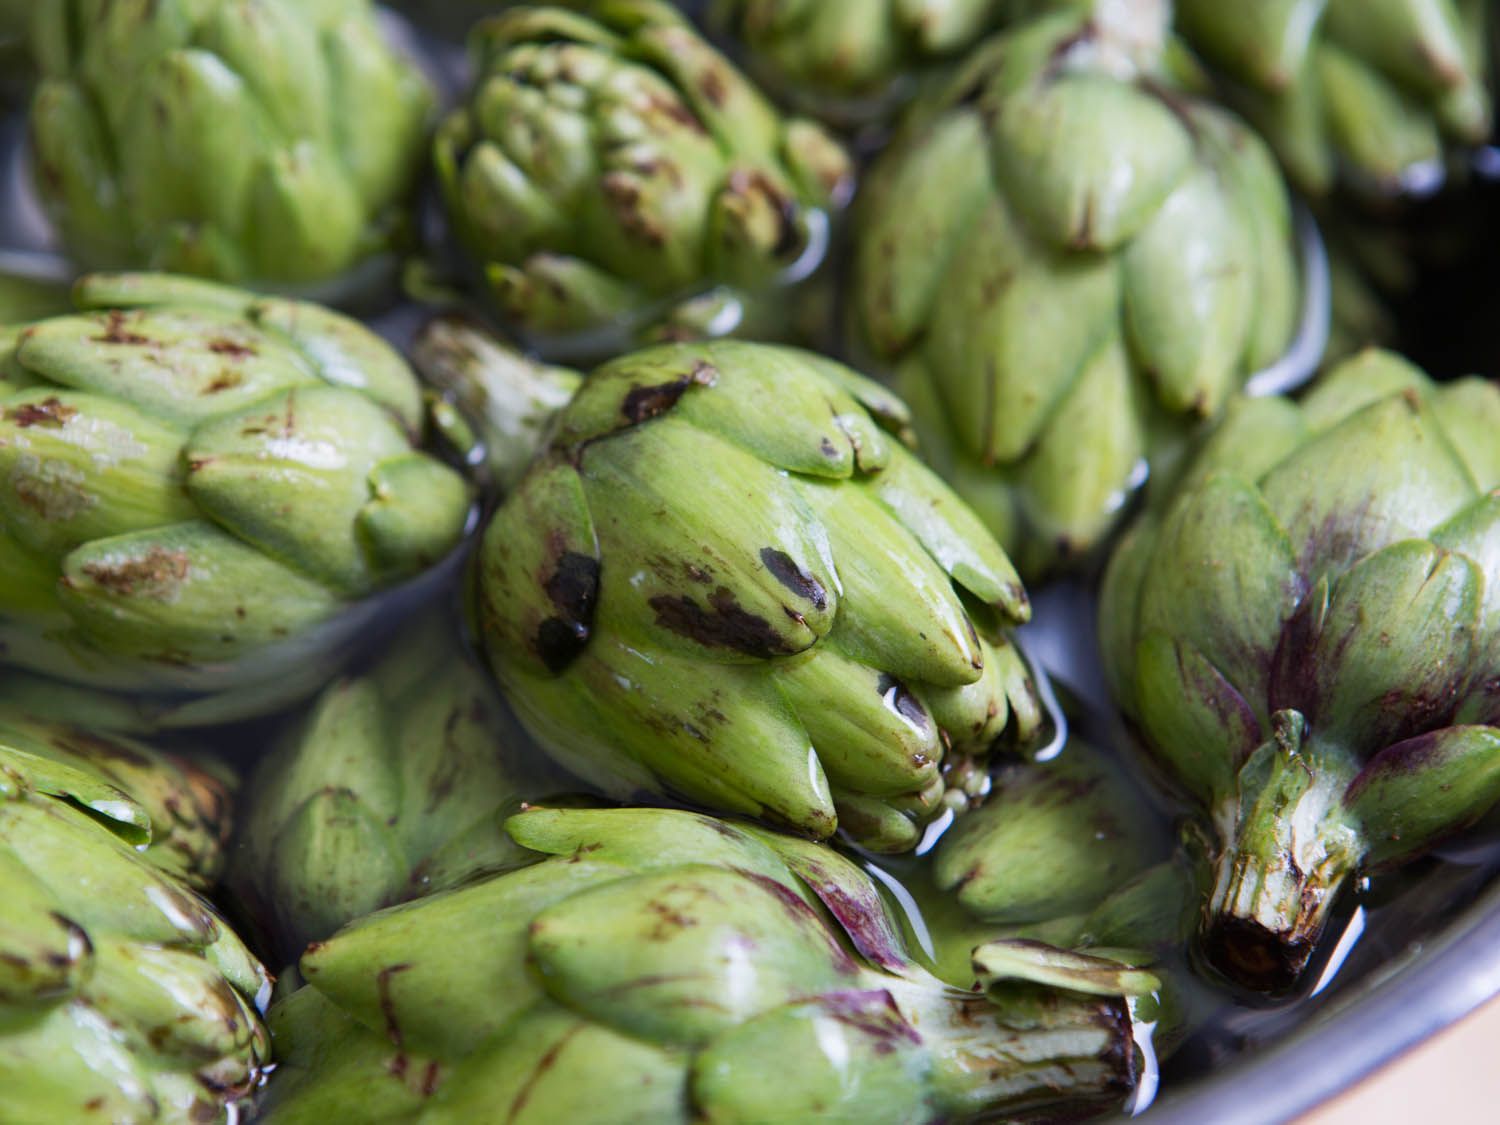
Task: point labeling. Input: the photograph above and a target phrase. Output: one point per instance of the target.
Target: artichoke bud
(610, 164)
(1369, 96)
(275, 145)
(121, 992)
(178, 449)
(727, 970)
(393, 786)
(1303, 635)
(1052, 838)
(850, 64)
(818, 590)
(1063, 168)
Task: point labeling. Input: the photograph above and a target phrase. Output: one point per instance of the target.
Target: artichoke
(1065, 264)
(1368, 91)
(661, 966)
(1308, 639)
(1054, 838)
(610, 166)
(394, 786)
(847, 60)
(722, 580)
(195, 482)
(122, 996)
(264, 141)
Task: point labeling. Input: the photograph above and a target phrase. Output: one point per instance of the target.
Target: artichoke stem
(1021, 1047)
(1286, 849)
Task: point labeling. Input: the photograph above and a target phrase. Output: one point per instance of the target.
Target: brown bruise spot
(224, 381)
(641, 404)
(750, 182)
(782, 568)
(115, 332)
(573, 590)
(231, 348)
(544, 1064)
(158, 574)
(624, 195)
(723, 624)
(50, 413)
(388, 1003)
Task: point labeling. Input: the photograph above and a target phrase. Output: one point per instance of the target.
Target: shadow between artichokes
(1308, 641)
(722, 579)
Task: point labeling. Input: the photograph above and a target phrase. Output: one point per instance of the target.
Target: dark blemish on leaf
(828, 449)
(233, 348)
(224, 381)
(900, 700)
(50, 412)
(544, 1064)
(724, 624)
(793, 577)
(387, 1002)
(641, 404)
(158, 575)
(573, 588)
(116, 333)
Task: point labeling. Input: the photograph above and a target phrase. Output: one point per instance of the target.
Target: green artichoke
(850, 60)
(722, 580)
(661, 966)
(254, 141)
(1065, 264)
(1308, 639)
(610, 166)
(1054, 838)
(196, 484)
(122, 996)
(1368, 90)
(395, 785)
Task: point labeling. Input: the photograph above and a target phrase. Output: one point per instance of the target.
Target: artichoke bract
(394, 786)
(1054, 838)
(196, 484)
(270, 142)
(1064, 263)
(1308, 640)
(1368, 92)
(849, 60)
(610, 165)
(662, 966)
(123, 997)
(722, 580)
